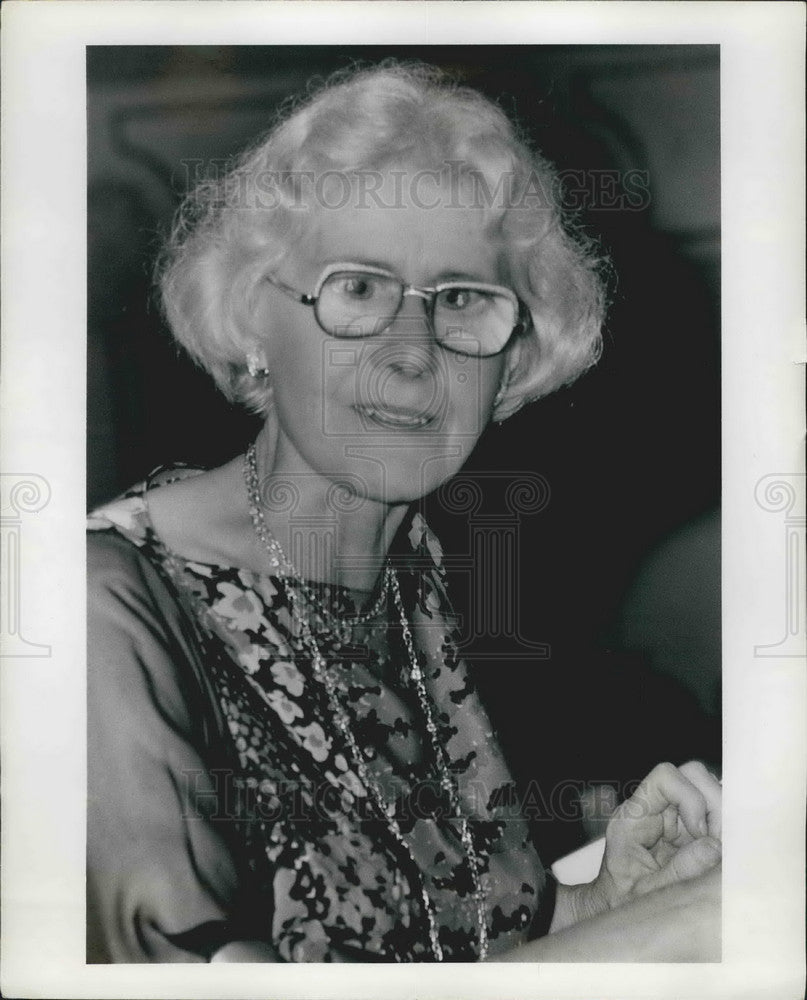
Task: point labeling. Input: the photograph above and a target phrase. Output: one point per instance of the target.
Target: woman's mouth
(396, 419)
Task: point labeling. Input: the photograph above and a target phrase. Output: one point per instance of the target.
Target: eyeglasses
(467, 317)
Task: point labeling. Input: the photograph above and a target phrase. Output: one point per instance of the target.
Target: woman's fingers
(667, 831)
(708, 785)
(696, 858)
(666, 786)
(670, 829)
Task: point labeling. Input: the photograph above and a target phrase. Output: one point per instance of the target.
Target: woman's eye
(459, 298)
(356, 286)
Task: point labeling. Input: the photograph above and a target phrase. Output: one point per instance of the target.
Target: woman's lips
(393, 418)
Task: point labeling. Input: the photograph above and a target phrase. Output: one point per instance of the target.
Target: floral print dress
(224, 801)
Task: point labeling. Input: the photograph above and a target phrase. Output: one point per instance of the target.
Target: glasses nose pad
(412, 318)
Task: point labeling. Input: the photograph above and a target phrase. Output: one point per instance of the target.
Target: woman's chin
(412, 486)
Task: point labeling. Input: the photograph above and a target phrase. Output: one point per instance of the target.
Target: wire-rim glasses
(356, 301)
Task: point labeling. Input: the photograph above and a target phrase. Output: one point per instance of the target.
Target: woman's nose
(409, 344)
(408, 347)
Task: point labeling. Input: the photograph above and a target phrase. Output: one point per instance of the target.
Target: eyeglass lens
(465, 320)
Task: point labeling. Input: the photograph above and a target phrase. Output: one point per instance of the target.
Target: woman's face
(395, 414)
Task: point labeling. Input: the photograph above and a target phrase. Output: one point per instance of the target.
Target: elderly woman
(288, 761)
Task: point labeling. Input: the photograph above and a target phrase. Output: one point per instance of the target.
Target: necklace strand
(448, 784)
(302, 599)
(283, 564)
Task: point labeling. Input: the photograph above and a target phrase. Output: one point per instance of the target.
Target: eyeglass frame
(427, 293)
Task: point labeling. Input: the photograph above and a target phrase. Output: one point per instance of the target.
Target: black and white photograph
(421, 312)
(407, 625)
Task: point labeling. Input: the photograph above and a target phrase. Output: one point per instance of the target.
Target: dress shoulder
(163, 877)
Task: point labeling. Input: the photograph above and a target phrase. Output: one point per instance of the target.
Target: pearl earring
(255, 368)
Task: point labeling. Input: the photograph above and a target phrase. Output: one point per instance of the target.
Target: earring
(255, 368)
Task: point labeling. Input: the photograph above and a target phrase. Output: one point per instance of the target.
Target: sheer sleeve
(163, 878)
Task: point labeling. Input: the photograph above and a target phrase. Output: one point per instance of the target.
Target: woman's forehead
(413, 222)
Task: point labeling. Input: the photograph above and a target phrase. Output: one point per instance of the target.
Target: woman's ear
(501, 390)
(510, 374)
(525, 323)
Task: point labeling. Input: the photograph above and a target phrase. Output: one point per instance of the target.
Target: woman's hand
(668, 831)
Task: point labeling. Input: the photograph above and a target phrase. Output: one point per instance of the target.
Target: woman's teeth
(393, 419)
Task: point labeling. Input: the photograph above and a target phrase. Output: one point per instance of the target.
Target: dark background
(618, 574)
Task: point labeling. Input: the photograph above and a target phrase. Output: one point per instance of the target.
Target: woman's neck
(327, 533)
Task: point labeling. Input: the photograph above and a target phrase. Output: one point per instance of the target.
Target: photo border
(43, 443)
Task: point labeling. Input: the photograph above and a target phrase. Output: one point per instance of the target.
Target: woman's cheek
(474, 391)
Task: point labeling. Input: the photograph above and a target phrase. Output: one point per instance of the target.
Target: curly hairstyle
(232, 231)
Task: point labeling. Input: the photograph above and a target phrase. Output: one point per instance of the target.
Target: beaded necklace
(302, 602)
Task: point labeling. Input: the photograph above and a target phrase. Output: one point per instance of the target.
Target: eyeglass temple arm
(307, 300)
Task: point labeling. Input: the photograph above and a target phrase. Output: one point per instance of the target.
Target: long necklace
(285, 568)
(301, 601)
